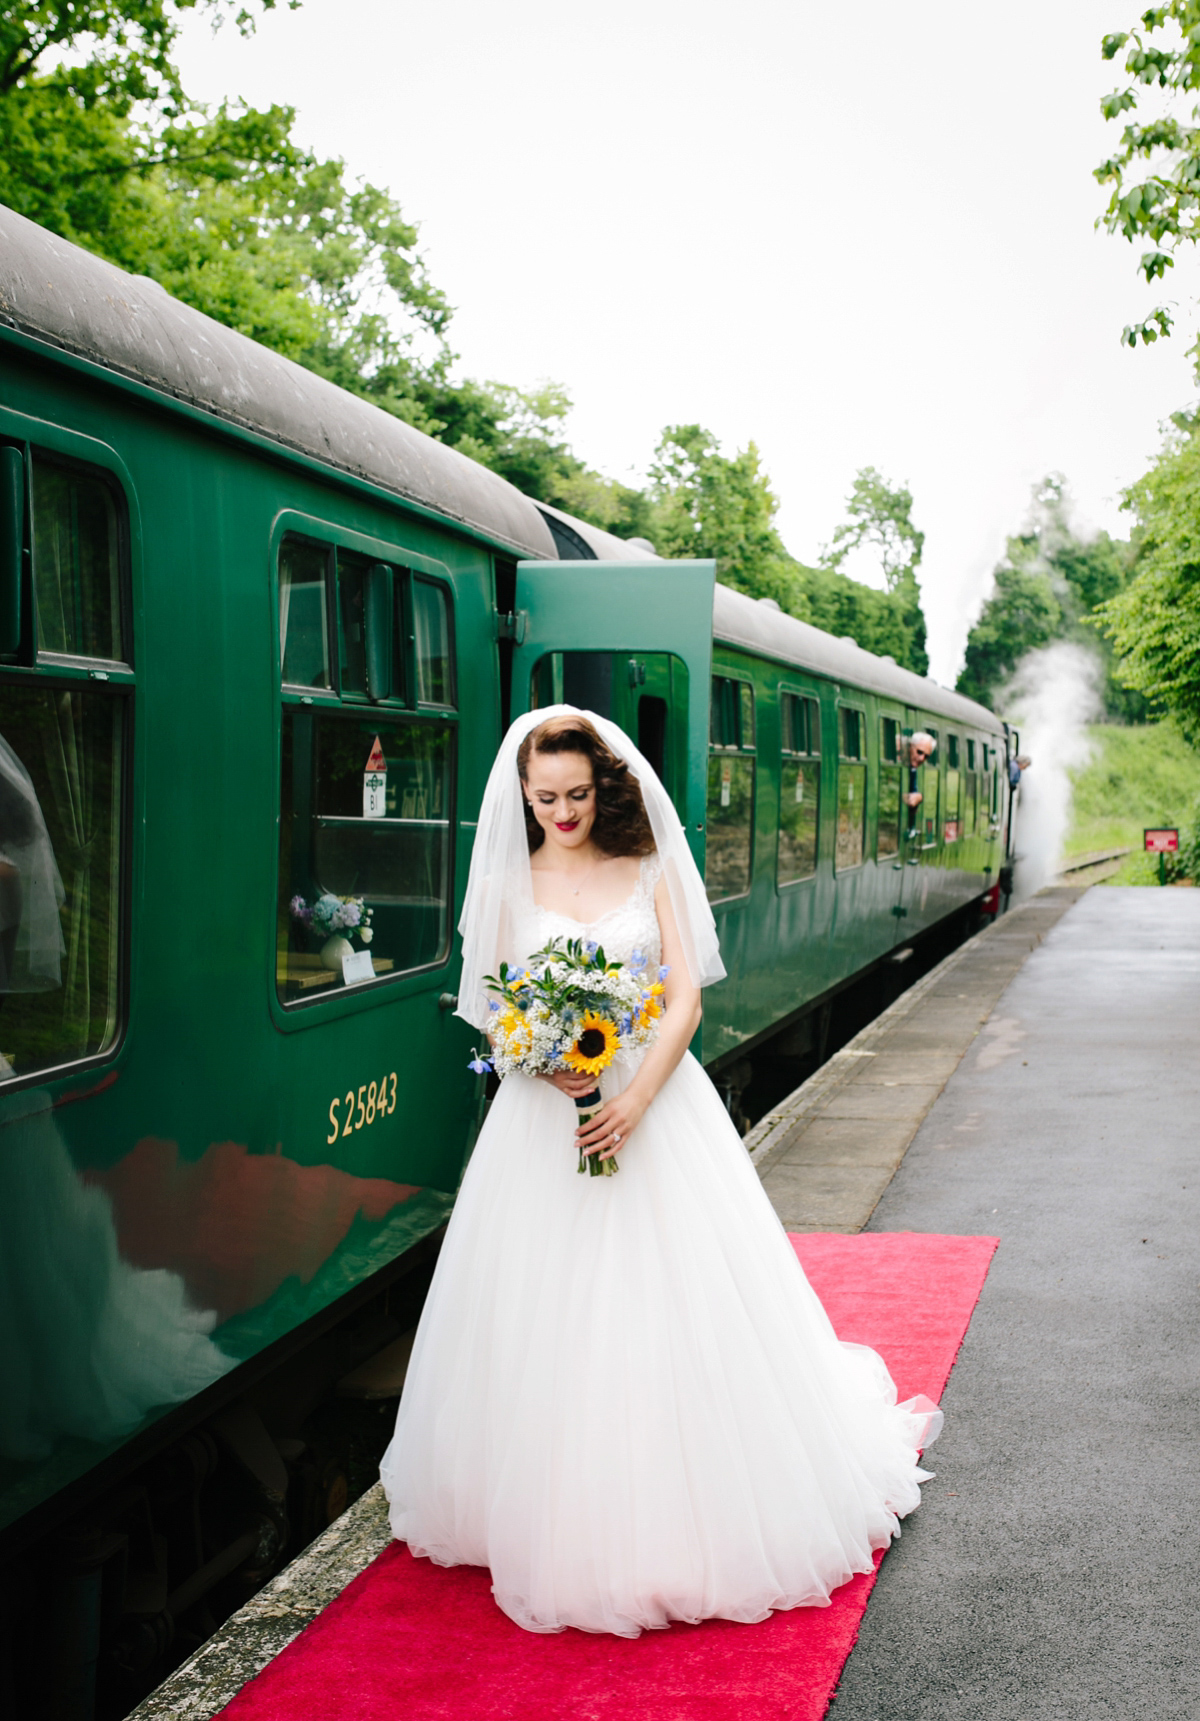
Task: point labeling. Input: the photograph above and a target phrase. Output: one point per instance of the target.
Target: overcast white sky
(856, 235)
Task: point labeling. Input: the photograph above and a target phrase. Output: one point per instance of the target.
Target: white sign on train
(375, 784)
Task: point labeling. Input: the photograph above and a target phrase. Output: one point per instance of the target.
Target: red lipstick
(572, 826)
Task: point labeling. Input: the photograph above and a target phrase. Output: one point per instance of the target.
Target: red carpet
(413, 1640)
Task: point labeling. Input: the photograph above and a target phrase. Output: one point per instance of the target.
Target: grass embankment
(1136, 777)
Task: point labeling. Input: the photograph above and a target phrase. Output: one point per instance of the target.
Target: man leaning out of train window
(920, 748)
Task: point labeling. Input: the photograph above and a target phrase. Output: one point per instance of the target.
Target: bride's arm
(623, 1114)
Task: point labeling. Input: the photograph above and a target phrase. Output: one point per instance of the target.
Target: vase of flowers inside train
(571, 1009)
(335, 920)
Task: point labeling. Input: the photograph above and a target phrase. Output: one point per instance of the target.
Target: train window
(852, 790)
(76, 561)
(724, 721)
(652, 717)
(890, 798)
(970, 754)
(351, 589)
(729, 849)
(952, 751)
(800, 723)
(303, 635)
(61, 769)
(850, 724)
(746, 713)
(730, 815)
(431, 625)
(929, 783)
(364, 863)
(952, 825)
(799, 789)
(983, 803)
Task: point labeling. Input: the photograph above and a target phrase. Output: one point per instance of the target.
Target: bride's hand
(573, 1086)
(612, 1125)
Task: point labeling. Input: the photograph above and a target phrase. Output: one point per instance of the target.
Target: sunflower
(595, 1045)
(652, 1006)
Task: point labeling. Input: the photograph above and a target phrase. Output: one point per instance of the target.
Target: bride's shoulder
(651, 869)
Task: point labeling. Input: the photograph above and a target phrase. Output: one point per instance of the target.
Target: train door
(919, 847)
(893, 816)
(632, 641)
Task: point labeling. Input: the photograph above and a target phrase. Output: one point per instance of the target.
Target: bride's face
(560, 789)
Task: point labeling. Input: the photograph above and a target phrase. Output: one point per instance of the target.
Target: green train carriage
(228, 592)
(790, 778)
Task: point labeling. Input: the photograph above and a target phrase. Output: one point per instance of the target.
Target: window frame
(302, 1013)
(443, 584)
(863, 759)
(736, 749)
(898, 764)
(33, 668)
(811, 697)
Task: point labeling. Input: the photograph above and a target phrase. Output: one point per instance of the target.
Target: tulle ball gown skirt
(624, 1397)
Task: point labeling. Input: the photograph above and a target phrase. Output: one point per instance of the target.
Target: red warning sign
(1162, 842)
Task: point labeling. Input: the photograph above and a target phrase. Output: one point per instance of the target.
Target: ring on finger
(616, 1139)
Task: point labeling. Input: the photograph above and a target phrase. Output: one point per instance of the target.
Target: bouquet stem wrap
(585, 1110)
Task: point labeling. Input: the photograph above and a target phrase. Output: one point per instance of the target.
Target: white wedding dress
(624, 1397)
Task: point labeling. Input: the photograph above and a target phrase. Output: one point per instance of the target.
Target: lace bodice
(631, 925)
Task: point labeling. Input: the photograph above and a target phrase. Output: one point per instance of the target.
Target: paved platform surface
(827, 1154)
(1052, 1573)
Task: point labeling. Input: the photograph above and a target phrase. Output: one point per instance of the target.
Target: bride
(624, 1397)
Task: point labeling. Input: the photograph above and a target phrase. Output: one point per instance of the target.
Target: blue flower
(481, 1066)
(637, 961)
(626, 1022)
(492, 1004)
(590, 946)
(663, 972)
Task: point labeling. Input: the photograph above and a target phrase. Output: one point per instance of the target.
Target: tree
(1047, 588)
(232, 215)
(882, 516)
(1154, 173)
(710, 504)
(521, 434)
(1154, 621)
(705, 503)
(225, 209)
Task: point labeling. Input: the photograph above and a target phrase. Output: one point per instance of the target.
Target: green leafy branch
(1154, 174)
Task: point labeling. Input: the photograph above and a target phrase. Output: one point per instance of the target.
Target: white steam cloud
(1053, 695)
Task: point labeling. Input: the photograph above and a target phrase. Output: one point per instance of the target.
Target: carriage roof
(59, 293)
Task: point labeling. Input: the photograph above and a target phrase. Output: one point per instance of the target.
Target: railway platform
(1042, 1086)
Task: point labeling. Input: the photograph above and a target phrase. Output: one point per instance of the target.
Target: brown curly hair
(622, 826)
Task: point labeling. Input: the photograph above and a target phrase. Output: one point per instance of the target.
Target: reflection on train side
(88, 1343)
(112, 1281)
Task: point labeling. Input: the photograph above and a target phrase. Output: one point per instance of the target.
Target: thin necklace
(586, 876)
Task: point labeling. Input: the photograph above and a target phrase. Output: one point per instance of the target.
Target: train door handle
(448, 1001)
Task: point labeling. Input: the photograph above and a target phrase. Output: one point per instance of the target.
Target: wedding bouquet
(572, 1009)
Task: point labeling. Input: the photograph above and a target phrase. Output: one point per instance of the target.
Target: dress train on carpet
(625, 1399)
